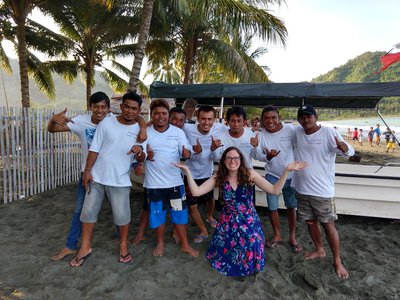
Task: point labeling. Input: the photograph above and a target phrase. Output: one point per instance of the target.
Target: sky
(325, 34)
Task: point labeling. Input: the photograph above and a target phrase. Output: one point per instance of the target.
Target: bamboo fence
(33, 160)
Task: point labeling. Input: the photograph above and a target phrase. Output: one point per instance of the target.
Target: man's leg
(143, 223)
(185, 246)
(315, 234)
(276, 227)
(123, 244)
(76, 226)
(194, 212)
(159, 249)
(334, 242)
(86, 248)
(210, 209)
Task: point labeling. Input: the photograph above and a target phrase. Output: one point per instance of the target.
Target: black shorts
(201, 199)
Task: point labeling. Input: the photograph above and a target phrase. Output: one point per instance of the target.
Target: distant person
(377, 131)
(237, 245)
(355, 135)
(387, 135)
(392, 142)
(348, 134)
(371, 133)
(318, 147)
(360, 137)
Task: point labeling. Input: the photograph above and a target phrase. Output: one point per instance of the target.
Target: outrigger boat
(359, 189)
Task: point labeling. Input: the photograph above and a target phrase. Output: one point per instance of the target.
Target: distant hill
(363, 68)
(67, 95)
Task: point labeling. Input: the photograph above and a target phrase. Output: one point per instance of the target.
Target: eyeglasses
(235, 158)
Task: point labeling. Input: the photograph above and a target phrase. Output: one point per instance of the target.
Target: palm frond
(42, 76)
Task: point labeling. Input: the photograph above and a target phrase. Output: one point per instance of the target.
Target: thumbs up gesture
(271, 153)
(215, 143)
(150, 153)
(197, 147)
(342, 146)
(254, 141)
(185, 153)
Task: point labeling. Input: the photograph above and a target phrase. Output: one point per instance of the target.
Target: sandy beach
(35, 228)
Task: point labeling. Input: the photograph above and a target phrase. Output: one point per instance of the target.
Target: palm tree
(93, 33)
(141, 44)
(34, 38)
(202, 32)
(19, 11)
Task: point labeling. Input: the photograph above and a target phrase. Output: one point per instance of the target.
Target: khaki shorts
(315, 208)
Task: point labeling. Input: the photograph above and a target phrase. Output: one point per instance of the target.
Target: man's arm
(58, 123)
(87, 175)
(142, 135)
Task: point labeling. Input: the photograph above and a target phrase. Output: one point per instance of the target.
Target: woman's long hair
(222, 173)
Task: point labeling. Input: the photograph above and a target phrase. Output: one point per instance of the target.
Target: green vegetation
(363, 68)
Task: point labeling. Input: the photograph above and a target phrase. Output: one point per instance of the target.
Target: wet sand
(35, 228)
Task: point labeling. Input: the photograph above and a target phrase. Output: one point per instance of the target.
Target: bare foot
(314, 255)
(158, 250)
(189, 250)
(137, 239)
(62, 254)
(340, 270)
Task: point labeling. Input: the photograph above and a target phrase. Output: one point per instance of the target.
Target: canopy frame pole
(384, 122)
(221, 109)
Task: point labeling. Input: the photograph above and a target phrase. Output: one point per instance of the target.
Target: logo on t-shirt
(89, 133)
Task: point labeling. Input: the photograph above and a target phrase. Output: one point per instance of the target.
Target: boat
(360, 190)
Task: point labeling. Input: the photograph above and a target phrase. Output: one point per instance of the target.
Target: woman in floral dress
(237, 246)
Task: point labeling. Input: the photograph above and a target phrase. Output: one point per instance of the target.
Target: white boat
(360, 190)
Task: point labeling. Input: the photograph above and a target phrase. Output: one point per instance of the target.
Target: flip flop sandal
(213, 223)
(125, 259)
(79, 261)
(200, 238)
(295, 248)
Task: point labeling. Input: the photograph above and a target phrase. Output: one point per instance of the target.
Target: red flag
(389, 59)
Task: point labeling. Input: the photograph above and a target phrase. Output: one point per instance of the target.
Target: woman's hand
(182, 166)
(296, 166)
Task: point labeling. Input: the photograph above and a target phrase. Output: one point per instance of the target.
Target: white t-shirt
(201, 165)
(167, 148)
(242, 143)
(319, 151)
(84, 129)
(112, 141)
(282, 141)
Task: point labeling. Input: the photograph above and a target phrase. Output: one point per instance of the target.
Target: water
(364, 123)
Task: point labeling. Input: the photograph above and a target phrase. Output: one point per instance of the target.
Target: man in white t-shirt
(84, 126)
(275, 147)
(237, 136)
(165, 191)
(107, 173)
(201, 165)
(314, 186)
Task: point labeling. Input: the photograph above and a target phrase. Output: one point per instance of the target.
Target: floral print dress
(237, 246)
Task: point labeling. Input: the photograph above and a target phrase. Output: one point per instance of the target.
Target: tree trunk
(22, 60)
(89, 82)
(141, 44)
(190, 54)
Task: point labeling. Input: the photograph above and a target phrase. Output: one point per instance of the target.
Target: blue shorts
(287, 191)
(168, 199)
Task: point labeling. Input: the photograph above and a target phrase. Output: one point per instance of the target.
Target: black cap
(307, 109)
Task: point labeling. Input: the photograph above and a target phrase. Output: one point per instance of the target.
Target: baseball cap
(307, 109)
